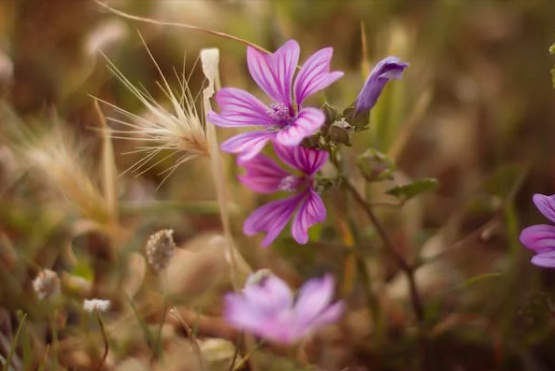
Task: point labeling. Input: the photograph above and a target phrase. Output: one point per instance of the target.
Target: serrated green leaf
(414, 188)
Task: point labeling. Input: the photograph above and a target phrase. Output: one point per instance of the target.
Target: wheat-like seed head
(56, 159)
(178, 128)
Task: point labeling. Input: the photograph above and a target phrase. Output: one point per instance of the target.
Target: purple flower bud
(387, 69)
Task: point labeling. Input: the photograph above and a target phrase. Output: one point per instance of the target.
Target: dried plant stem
(53, 315)
(104, 339)
(235, 353)
(407, 269)
(174, 312)
(157, 340)
(181, 25)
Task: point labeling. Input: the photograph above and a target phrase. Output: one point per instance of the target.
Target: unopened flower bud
(375, 166)
(341, 132)
(387, 69)
(159, 249)
(46, 284)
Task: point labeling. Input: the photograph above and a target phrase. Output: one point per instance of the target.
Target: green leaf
(414, 188)
(8, 361)
(479, 278)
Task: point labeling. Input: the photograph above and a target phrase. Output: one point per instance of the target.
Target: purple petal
(239, 108)
(330, 315)
(271, 296)
(281, 328)
(314, 297)
(315, 75)
(387, 69)
(274, 72)
(312, 211)
(271, 218)
(546, 205)
(544, 259)
(263, 175)
(308, 122)
(248, 144)
(307, 160)
(538, 237)
(239, 313)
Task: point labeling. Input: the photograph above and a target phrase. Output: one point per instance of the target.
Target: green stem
(407, 269)
(104, 339)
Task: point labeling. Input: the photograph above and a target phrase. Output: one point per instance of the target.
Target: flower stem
(407, 269)
(104, 339)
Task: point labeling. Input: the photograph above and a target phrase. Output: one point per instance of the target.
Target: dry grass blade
(8, 361)
(109, 171)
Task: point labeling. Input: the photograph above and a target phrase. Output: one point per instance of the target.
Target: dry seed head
(46, 284)
(178, 128)
(96, 305)
(57, 159)
(159, 249)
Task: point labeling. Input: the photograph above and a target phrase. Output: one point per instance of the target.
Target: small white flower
(96, 305)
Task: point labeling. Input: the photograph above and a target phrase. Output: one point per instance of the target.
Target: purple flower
(541, 237)
(268, 309)
(285, 121)
(387, 69)
(263, 175)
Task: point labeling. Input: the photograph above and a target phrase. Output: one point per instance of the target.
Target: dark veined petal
(308, 122)
(239, 108)
(311, 211)
(546, 205)
(271, 218)
(538, 237)
(262, 174)
(274, 72)
(315, 75)
(544, 259)
(308, 160)
(248, 144)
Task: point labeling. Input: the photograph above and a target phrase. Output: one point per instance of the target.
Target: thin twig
(235, 353)
(156, 351)
(399, 259)
(476, 234)
(181, 25)
(175, 313)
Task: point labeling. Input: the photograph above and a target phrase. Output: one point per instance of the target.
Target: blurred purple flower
(284, 121)
(263, 175)
(387, 69)
(268, 309)
(541, 237)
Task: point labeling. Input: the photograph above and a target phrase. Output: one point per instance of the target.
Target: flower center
(288, 184)
(280, 113)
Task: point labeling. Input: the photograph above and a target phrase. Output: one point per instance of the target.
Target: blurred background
(475, 110)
